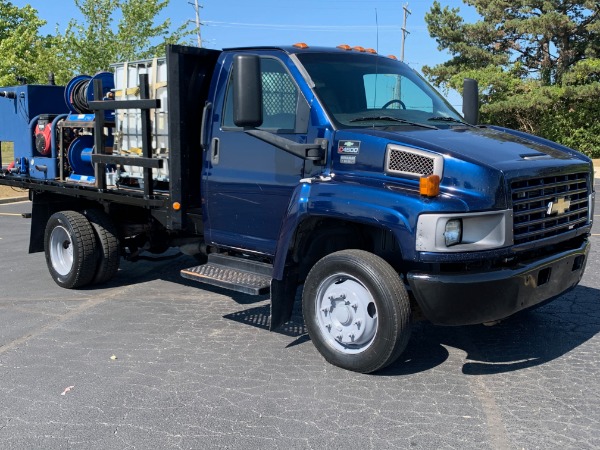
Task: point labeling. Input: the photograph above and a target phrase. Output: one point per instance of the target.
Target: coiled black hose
(79, 98)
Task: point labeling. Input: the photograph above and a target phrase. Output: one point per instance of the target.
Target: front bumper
(473, 298)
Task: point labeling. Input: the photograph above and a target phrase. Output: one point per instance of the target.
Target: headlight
(467, 233)
(453, 233)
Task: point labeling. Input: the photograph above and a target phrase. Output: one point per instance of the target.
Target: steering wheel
(391, 102)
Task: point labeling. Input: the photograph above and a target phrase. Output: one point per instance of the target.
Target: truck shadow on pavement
(528, 339)
(525, 340)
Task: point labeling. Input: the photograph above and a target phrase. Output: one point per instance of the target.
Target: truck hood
(496, 147)
(480, 163)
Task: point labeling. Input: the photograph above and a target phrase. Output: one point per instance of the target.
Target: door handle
(214, 151)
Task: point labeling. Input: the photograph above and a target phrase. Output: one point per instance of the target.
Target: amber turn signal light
(430, 186)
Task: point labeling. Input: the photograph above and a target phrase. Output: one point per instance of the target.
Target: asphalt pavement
(152, 361)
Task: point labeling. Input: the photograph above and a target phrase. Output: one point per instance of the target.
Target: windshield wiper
(450, 119)
(392, 119)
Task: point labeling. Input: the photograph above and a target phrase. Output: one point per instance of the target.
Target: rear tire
(107, 243)
(70, 248)
(356, 310)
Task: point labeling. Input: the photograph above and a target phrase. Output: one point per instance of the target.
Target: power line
(336, 28)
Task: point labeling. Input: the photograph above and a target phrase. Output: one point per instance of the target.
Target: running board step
(230, 272)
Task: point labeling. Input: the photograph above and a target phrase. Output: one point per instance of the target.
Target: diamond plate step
(237, 274)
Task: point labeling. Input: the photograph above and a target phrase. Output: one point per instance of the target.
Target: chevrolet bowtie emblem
(559, 206)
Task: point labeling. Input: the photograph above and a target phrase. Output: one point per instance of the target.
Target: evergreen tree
(537, 63)
(539, 39)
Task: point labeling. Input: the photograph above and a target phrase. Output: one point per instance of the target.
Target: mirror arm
(312, 152)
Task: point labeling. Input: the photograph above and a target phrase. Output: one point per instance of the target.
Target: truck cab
(455, 209)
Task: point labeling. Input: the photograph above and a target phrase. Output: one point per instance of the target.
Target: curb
(13, 200)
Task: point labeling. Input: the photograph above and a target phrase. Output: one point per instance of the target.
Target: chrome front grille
(549, 206)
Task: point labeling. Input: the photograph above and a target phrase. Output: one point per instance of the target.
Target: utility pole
(197, 9)
(398, 88)
(405, 32)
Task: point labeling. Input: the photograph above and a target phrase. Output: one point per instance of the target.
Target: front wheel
(356, 310)
(70, 248)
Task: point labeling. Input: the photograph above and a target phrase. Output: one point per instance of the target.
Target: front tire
(70, 248)
(356, 310)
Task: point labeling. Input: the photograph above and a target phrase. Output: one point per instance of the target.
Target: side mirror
(247, 91)
(471, 101)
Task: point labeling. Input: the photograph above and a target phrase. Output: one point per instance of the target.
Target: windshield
(364, 90)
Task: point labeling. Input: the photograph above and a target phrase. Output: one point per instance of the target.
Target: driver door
(249, 183)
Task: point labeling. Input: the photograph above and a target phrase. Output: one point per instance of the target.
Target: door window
(280, 98)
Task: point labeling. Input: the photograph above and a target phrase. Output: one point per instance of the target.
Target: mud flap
(283, 295)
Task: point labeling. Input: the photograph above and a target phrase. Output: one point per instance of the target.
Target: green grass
(7, 152)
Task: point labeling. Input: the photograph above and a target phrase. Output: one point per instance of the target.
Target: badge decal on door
(348, 159)
(349, 147)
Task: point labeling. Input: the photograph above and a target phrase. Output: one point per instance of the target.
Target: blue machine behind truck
(337, 169)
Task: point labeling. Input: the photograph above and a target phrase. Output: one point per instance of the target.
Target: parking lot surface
(151, 360)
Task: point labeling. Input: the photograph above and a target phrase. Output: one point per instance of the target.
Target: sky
(235, 23)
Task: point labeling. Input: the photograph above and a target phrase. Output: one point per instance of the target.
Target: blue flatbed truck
(338, 170)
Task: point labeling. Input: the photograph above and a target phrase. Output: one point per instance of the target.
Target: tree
(540, 39)
(536, 62)
(21, 46)
(87, 46)
(91, 45)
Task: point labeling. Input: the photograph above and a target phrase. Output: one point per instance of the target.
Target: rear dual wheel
(107, 244)
(81, 250)
(70, 247)
(357, 310)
